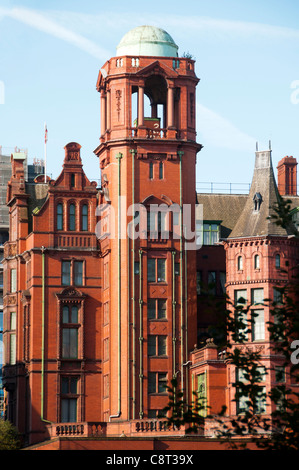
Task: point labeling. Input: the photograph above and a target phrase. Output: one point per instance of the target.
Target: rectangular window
(240, 297)
(151, 270)
(258, 325)
(157, 345)
(280, 374)
(78, 273)
(212, 282)
(156, 309)
(222, 277)
(151, 170)
(12, 348)
(241, 314)
(156, 270)
(70, 343)
(13, 280)
(257, 296)
(277, 296)
(157, 382)
(66, 273)
(161, 264)
(13, 321)
(69, 410)
(161, 170)
(210, 233)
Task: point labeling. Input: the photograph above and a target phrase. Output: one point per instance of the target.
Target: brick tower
(147, 155)
(260, 259)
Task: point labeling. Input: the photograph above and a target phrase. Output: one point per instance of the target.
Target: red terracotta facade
(97, 321)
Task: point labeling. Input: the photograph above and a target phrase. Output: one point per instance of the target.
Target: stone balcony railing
(95, 429)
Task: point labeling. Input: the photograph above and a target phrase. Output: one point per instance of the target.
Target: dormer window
(257, 200)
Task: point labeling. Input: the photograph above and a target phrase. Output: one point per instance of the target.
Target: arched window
(256, 262)
(84, 217)
(59, 216)
(277, 261)
(72, 180)
(240, 263)
(72, 217)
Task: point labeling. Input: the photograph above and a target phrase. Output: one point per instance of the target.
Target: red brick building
(103, 301)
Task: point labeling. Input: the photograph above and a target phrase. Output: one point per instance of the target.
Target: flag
(46, 134)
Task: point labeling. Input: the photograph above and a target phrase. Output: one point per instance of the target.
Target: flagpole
(46, 138)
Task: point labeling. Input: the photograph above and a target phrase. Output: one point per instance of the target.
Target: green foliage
(183, 413)
(9, 436)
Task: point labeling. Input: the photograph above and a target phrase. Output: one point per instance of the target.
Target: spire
(255, 220)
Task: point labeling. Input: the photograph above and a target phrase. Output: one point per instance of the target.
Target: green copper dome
(148, 41)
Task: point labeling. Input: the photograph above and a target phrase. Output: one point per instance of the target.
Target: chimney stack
(287, 176)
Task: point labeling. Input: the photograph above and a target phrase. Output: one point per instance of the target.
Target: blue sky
(246, 58)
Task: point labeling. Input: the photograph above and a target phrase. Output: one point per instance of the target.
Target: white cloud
(43, 23)
(217, 131)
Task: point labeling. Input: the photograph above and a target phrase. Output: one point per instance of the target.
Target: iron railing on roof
(222, 188)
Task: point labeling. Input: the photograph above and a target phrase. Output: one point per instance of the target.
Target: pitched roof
(256, 217)
(226, 208)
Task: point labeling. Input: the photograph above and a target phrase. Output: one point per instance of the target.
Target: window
(280, 374)
(202, 394)
(69, 398)
(258, 325)
(156, 270)
(78, 273)
(72, 217)
(12, 348)
(240, 297)
(66, 273)
(154, 414)
(161, 170)
(257, 296)
(156, 309)
(151, 170)
(59, 216)
(277, 295)
(13, 280)
(256, 262)
(277, 261)
(84, 217)
(72, 180)
(222, 277)
(240, 263)
(198, 282)
(260, 401)
(241, 314)
(212, 282)
(70, 332)
(157, 345)
(157, 382)
(72, 272)
(210, 233)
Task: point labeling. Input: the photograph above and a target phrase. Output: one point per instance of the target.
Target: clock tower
(147, 157)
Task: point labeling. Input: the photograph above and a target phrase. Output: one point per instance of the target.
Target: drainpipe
(140, 337)
(133, 152)
(186, 319)
(173, 313)
(117, 415)
(180, 154)
(43, 338)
